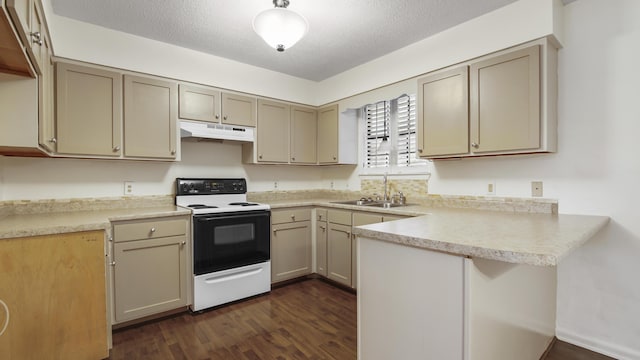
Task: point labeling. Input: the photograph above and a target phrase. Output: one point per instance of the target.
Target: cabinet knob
(474, 145)
(335, 158)
(183, 243)
(113, 263)
(36, 41)
(224, 117)
(53, 140)
(293, 217)
(348, 234)
(217, 116)
(259, 156)
(116, 148)
(322, 227)
(293, 159)
(36, 35)
(419, 150)
(173, 152)
(153, 230)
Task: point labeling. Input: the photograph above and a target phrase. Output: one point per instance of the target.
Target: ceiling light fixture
(280, 27)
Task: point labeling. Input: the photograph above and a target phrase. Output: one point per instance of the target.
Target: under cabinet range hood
(213, 131)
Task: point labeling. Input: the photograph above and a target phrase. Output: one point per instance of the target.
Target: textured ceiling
(342, 33)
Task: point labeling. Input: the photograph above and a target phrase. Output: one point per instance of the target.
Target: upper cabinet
(16, 36)
(203, 103)
(89, 111)
(150, 118)
(504, 103)
(337, 137)
(303, 135)
(273, 131)
(238, 110)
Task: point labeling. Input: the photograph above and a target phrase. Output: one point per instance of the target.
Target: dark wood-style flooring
(310, 319)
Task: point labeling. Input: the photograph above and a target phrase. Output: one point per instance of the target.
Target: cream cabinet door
(443, 113)
(20, 12)
(46, 108)
(150, 117)
(505, 102)
(238, 110)
(321, 247)
(88, 112)
(273, 131)
(149, 277)
(290, 250)
(328, 135)
(199, 103)
(339, 258)
(303, 135)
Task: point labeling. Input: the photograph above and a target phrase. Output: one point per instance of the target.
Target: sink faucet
(386, 194)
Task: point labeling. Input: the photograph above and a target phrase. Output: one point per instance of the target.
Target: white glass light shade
(280, 28)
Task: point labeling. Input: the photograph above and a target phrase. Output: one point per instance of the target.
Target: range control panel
(186, 186)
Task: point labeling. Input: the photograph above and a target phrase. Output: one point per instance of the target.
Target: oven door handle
(238, 275)
(235, 216)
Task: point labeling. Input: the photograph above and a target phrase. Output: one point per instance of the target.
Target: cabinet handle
(259, 156)
(116, 148)
(474, 145)
(293, 217)
(113, 263)
(419, 150)
(36, 35)
(153, 230)
(335, 158)
(217, 116)
(39, 42)
(53, 140)
(293, 159)
(323, 228)
(173, 152)
(183, 243)
(224, 117)
(349, 234)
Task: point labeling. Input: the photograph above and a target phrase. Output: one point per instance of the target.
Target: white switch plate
(536, 188)
(129, 188)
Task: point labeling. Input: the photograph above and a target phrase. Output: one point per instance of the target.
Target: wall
(594, 172)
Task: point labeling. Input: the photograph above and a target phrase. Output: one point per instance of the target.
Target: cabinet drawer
(366, 219)
(290, 215)
(339, 217)
(149, 229)
(321, 214)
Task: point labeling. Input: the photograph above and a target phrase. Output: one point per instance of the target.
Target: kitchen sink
(370, 203)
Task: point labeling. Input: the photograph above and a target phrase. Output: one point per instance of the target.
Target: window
(390, 136)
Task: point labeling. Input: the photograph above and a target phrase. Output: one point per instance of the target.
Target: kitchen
(592, 173)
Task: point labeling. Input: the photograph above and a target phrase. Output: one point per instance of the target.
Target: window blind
(406, 123)
(377, 121)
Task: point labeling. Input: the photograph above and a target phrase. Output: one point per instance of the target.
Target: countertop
(519, 236)
(23, 225)
(523, 238)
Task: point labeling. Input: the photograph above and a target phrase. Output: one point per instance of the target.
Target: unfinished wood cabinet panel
(273, 131)
(303, 135)
(88, 112)
(150, 267)
(199, 103)
(150, 118)
(291, 250)
(54, 287)
(505, 102)
(443, 102)
(238, 110)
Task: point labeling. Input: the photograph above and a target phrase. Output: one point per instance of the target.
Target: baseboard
(597, 345)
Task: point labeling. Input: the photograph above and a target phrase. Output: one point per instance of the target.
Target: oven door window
(225, 241)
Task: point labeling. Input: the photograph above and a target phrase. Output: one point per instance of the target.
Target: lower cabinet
(290, 244)
(339, 247)
(52, 289)
(150, 267)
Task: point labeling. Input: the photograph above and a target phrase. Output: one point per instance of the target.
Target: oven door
(228, 240)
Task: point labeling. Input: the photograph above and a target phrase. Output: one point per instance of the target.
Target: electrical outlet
(491, 188)
(129, 188)
(275, 184)
(536, 188)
